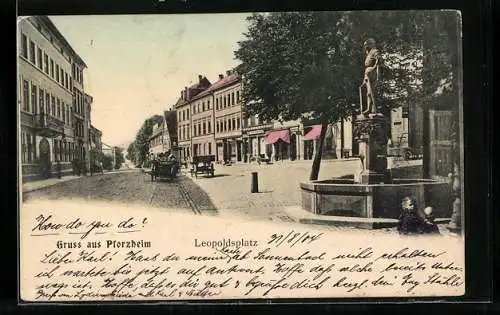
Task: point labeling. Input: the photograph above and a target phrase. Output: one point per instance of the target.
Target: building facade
(183, 108)
(227, 94)
(51, 100)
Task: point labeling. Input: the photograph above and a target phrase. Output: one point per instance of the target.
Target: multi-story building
(157, 140)
(170, 131)
(164, 136)
(202, 124)
(51, 100)
(95, 138)
(227, 95)
(183, 107)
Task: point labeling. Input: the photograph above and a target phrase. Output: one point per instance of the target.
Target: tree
(107, 162)
(119, 159)
(309, 65)
(141, 143)
(131, 153)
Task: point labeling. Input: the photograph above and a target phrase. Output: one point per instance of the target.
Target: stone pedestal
(371, 134)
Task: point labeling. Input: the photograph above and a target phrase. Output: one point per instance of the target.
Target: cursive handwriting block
(164, 260)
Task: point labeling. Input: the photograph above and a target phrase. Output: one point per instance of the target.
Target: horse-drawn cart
(164, 169)
(203, 165)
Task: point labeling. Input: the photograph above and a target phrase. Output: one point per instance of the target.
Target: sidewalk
(40, 184)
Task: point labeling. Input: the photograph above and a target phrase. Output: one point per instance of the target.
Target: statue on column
(373, 61)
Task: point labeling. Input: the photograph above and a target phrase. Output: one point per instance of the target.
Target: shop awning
(274, 136)
(314, 133)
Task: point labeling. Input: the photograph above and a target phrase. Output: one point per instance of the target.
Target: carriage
(164, 169)
(203, 165)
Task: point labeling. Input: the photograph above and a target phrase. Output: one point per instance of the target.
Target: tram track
(187, 198)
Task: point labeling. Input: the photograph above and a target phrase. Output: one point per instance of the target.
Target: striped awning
(314, 133)
(274, 136)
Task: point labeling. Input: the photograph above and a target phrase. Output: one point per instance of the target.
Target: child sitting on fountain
(409, 221)
(429, 225)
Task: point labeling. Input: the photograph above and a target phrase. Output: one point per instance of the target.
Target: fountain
(372, 197)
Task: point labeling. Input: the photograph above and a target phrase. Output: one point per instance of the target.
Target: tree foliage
(309, 65)
(138, 150)
(119, 159)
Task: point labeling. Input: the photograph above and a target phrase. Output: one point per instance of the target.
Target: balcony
(48, 126)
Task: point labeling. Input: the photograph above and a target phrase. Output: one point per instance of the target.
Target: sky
(138, 64)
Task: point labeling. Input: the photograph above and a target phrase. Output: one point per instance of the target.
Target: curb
(71, 179)
(49, 185)
(303, 216)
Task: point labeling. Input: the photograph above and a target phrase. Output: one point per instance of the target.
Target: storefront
(284, 144)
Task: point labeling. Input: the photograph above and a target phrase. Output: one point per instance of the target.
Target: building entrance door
(44, 158)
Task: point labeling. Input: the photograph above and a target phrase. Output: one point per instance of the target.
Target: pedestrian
(429, 225)
(409, 221)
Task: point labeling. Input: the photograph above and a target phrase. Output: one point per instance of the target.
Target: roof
(51, 26)
(225, 81)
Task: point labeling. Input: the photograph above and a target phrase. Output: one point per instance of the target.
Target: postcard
(210, 157)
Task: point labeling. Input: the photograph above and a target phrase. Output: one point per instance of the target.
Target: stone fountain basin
(344, 197)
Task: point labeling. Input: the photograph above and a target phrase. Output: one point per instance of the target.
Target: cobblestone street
(131, 188)
(227, 194)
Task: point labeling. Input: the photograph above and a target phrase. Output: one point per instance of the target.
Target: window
(47, 103)
(56, 148)
(198, 108)
(23, 147)
(209, 148)
(58, 108)
(66, 80)
(203, 107)
(208, 104)
(70, 83)
(217, 127)
(224, 101)
(187, 114)
(217, 104)
(199, 129)
(41, 99)
(225, 125)
(237, 96)
(46, 62)
(53, 106)
(62, 77)
(232, 98)
(229, 125)
(28, 144)
(34, 99)
(234, 123)
(183, 115)
(26, 96)
(52, 68)
(24, 46)
(57, 73)
(32, 52)
(204, 128)
(208, 127)
(40, 59)
(238, 123)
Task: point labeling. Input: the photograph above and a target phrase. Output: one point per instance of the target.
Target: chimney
(228, 72)
(186, 94)
(200, 77)
(221, 76)
(182, 95)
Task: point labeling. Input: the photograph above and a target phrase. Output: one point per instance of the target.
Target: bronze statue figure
(373, 61)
